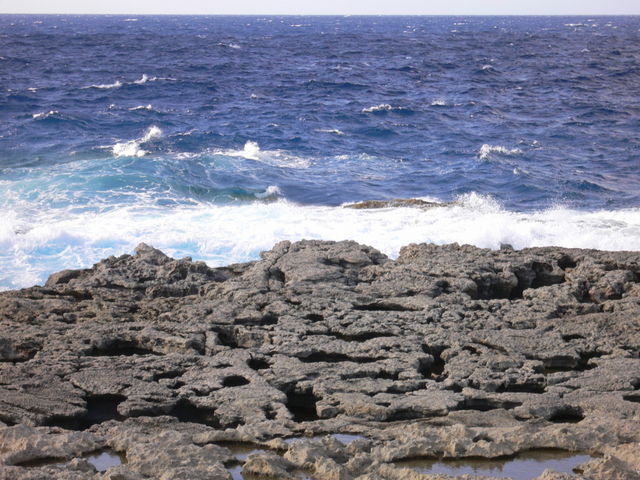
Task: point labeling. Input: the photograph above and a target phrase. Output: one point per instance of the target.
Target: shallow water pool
(524, 466)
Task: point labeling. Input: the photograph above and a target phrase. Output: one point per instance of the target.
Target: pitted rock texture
(448, 351)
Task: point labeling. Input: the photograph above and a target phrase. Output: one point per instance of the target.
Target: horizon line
(335, 14)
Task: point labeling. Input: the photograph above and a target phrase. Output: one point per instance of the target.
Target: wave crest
(116, 84)
(43, 115)
(383, 107)
(132, 148)
(141, 107)
(276, 158)
(486, 150)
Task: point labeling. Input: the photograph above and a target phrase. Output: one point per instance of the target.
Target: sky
(328, 7)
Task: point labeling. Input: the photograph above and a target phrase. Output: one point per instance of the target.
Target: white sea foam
(272, 191)
(251, 151)
(378, 108)
(132, 148)
(187, 155)
(235, 46)
(486, 150)
(116, 84)
(33, 247)
(330, 130)
(438, 103)
(128, 149)
(152, 132)
(144, 79)
(141, 81)
(276, 158)
(383, 107)
(43, 115)
(141, 107)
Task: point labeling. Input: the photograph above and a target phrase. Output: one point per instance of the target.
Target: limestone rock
(448, 351)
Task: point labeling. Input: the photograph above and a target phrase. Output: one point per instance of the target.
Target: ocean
(216, 137)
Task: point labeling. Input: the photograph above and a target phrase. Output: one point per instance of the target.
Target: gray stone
(448, 351)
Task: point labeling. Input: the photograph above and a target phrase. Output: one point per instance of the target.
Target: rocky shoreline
(326, 361)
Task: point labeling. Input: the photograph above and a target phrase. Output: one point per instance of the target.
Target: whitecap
(141, 107)
(132, 148)
(144, 79)
(271, 191)
(335, 131)
(486, 150)
(438, 103)
(152, 132)
(276, 158)
(128, 149)
(43, 115)
(383, 107)
(116, 84)
(235, 46)
(251, 150)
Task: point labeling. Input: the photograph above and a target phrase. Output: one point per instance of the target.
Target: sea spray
(221, 234)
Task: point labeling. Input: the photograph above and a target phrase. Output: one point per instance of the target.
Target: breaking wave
(276, 158)
(486, 151)
(222, 235)
(132, 148)
(141, 81)
(116, 84)
(141, 107)
(43, 115)
(385, 107)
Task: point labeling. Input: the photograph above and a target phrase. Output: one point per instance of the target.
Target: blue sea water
(216, 137)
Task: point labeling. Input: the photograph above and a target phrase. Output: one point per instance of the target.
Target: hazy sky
(325, 7)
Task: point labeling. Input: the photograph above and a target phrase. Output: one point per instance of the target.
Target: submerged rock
(448, 351)
(395, 203)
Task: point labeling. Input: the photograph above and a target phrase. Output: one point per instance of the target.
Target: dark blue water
(217, 136)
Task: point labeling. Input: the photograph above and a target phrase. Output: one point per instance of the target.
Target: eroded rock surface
(448, 351)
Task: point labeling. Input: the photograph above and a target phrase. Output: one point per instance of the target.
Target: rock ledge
(323, 360)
